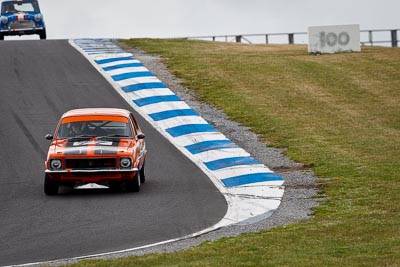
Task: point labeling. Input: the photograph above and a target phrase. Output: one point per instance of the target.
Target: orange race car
(96, 145)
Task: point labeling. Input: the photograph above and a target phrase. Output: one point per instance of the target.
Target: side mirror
(140, 136)
(49, 136)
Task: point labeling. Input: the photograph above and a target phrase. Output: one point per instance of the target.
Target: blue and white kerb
(250, 188)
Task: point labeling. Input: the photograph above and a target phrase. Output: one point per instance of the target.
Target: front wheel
(134, 185)
(50, 187)
(142, 175)
(43, 35)
(1, 37)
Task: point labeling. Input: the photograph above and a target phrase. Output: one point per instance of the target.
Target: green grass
(338, 113)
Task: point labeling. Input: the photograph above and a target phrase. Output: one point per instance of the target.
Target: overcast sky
(180, 18)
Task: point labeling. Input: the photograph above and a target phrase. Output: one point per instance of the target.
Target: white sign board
(333, 39)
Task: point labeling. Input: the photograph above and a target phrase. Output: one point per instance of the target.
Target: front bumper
(92, 175)
(22, 31)
(91, 171)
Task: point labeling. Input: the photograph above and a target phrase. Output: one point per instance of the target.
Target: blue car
(21, 17)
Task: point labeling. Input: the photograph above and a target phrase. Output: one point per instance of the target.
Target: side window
(134, 123)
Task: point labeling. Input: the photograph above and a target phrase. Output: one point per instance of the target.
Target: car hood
(92, 147)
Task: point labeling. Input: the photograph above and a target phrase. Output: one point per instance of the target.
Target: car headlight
(125, 162)
(38, 17)
(55, 164)
(4, 19)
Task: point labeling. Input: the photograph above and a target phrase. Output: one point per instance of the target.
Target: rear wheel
(134, 185)
(50, 187)
(1, 37)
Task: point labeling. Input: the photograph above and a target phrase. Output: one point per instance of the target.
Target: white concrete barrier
(334, 39)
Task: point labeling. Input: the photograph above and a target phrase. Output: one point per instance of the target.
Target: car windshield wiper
(80, 137)
(113, 136)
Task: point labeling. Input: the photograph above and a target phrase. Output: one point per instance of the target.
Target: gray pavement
(40, 80)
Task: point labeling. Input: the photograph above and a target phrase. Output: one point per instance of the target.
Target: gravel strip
(300, 182)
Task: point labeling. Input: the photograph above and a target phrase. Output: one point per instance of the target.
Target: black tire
(142, 175)
(1, 37)
(43, 35)
(50, 187)
(134, 185)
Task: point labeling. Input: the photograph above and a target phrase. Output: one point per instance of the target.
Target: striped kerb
(156, 99)
(141, 86)
(250, 179)
(210, 145)
(223, 160)
(109, 60)
(189, 129)
(230, 162)
(164, 115)
(131, 75)
(121, 66)
(96, 53)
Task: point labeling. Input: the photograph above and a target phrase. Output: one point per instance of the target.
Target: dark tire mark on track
(28, 135)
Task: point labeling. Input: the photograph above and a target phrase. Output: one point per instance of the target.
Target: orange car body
(109, 149)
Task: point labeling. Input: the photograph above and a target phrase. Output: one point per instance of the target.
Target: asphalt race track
(40, 80)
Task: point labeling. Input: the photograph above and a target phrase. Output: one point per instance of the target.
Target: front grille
(22, 25)
(107, 163)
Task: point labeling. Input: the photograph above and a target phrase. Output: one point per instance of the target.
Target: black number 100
(332, 39)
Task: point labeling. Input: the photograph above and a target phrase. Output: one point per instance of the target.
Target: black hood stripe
(72, 149)
(83, 147)
(112, 149)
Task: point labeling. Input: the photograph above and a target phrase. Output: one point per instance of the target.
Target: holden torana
(96, 145)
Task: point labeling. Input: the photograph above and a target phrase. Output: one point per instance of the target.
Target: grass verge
(338, 113)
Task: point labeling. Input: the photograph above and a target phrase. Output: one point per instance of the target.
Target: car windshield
(19, 6)
(87, 129)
